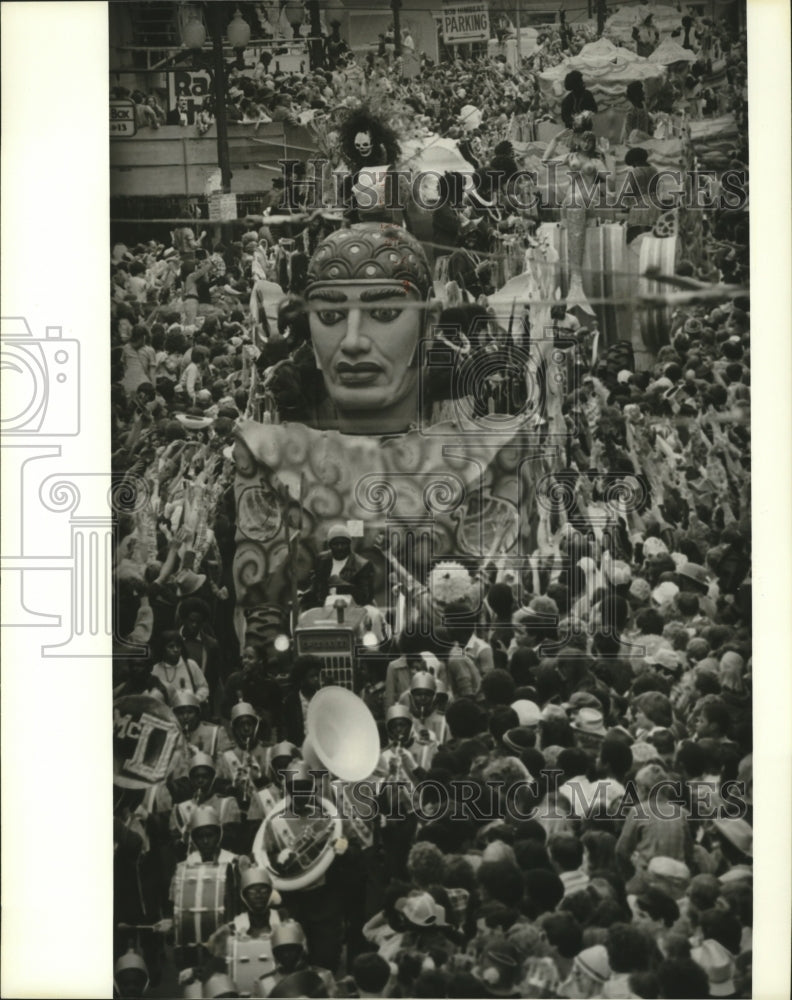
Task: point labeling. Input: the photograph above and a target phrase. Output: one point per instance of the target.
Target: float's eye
(329, 317)
(385, 315)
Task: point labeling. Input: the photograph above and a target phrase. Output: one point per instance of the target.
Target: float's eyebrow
(327, 295)
(377, 294)
(368, 295)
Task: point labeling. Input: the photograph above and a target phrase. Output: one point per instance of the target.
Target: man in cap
(340, 563)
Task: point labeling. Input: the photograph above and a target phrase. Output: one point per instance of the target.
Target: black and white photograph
(417, 559)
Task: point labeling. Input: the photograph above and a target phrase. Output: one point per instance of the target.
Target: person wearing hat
(718, 963)
(734, 844)
(427, 930)
(242, 767)
(320, 905)
(202, 791)
(290, 951)
(130, 976)
(430, 728)
(205, 832)
(414, 658)
(246, 941)
(205, 835)
(589, 973)
(204, 736)
(499, 970)
(339, 562)
(589, 727)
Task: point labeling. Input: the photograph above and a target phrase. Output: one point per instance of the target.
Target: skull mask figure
(363, 144)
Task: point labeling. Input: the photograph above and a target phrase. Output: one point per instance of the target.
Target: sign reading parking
(467, 22)
(122, 118)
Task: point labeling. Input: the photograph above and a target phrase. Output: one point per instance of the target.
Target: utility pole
(214, 12)
(518, 20)
(317, 54)
(601, 12)
(397, 40)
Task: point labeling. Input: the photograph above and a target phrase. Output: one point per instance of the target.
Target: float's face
(364, 144)
(366, 350)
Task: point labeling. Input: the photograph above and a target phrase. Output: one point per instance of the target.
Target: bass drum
(297, 850)
(202, 902)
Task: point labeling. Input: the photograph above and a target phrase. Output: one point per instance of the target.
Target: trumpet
(244, 777)
(426, 744)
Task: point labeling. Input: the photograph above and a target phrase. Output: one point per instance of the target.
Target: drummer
(205, 833)
(248, 962)
(290, 951)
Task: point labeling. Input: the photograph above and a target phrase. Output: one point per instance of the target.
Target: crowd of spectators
(613, 683)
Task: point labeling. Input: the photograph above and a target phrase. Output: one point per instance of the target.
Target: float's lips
(357, 374)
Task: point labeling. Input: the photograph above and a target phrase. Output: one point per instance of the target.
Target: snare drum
(200, 902)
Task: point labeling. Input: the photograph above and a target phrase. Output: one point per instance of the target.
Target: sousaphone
(343, 739)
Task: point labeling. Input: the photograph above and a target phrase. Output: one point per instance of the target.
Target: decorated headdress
(371, 255)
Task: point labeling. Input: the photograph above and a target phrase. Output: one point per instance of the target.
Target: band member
(203, 793)
(202, 735)
(298, 838)
(431, 728)
(130, 976)
(396, 757)
(243, 764)
(245, 944)
(290, 951)
(205, 833)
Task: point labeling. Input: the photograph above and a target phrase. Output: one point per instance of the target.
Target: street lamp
(194, 37)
